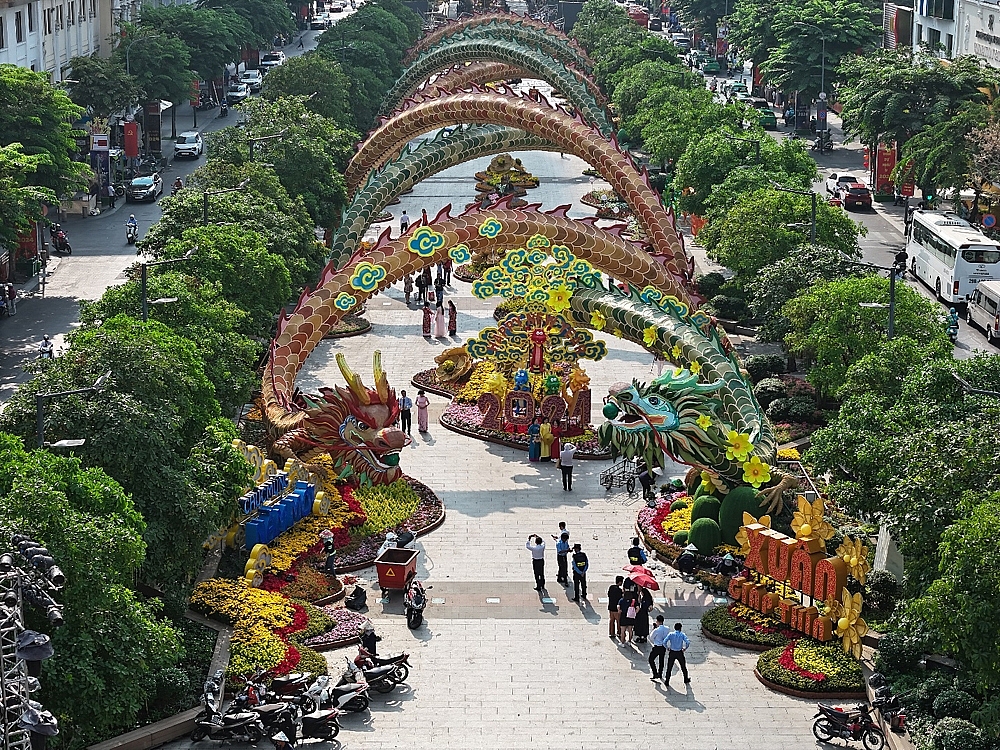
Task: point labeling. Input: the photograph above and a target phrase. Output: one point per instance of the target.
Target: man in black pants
(580, 565)
(405, 404)
(659, 640)
(677, 644)
(536, 547)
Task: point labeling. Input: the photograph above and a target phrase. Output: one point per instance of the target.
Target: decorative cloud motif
(490, 228)
(345, 301)
(460, 254)
(425, 241)
(537, 240)
(367, 276)
(484, 289)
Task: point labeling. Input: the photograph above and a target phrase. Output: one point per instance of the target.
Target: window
(920, 33)
(949, 44)
(93, 8)
(31, 17)
(940, 9)
(59, 17)
(71, 16)
(974, 255)
(3, 34)
(933, 39)
(47, 15)
(19, 27)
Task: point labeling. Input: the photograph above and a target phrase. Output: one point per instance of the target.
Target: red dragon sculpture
(354, 425)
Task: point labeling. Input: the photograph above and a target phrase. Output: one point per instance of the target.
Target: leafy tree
(750, 28)
(39, 117)
(313, 76)
(890, 95)
(213, 37)
(627, 50)
(110, 643)
(669, 118)
(797, 62)
(782, 280)
(265, 18)
(703, 14)
(832, 331)
(598, 22)
(20, 203)
(940, 155)
(102, 85)
(309, 157)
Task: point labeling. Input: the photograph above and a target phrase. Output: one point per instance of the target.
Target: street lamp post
(143, 275)
(898, 267)
(261, 139)
(812, 194)
(822, 66)
(753, 141)
(205, 196)
(40, 399)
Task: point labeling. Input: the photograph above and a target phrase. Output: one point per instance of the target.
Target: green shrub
(929, 689)
(708, 284)
(677, 505)
(769, 389)
(797, 409)
(681, 538)
(705, 506)
(730, 308)
(731, 511)
(762, 366)
(897, 653)
(955, 703)
(705, 535)
(957, 734)
(882, 590)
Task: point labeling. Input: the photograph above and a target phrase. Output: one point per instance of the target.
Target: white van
(984, 309)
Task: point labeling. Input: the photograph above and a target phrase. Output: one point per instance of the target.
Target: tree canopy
(20, 202)
(160, 63)
(321, 80)
(212, 37)
(102, 84)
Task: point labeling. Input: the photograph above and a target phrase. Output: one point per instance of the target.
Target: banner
(131, 139)
(885, 162)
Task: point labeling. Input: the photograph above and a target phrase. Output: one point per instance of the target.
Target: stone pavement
(497, 665)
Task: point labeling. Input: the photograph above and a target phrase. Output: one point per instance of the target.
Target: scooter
(383, 679)
(60, 243)
(131, 233)
(323, 725)
(273, 714)
(953, 325)
(224, 108)
(856, 724)
(400, 661)
(887, 704)
(293, 683)
(245, 726)
(351, 696)
(414, 603)
(822, 143)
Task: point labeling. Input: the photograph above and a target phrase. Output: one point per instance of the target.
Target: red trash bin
(395, 568)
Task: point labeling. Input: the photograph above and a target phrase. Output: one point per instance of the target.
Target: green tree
(750, 28)
(102, 85)
(40, 117)
(832, 331)
(941, 154)
(704, 15)
(213, 37)
(317, 78)
(265, 18)
(598, 22)
(20, 202)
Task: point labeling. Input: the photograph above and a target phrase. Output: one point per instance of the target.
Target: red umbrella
(638, 569)
(645, 580)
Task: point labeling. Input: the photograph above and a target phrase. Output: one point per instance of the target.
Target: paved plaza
(496, 665)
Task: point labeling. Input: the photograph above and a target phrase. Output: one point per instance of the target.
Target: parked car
(655, 24)
(237, 93)
(767, 118)
(253, 79)
(984, 309)
(336, 8)
(855, 194)
(145, 188)
(732, 88)
(189, 143)
(271, 60)
(836, 180)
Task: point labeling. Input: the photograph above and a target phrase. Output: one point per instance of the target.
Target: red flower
(787, 661)
(299, 620)
(287, 664)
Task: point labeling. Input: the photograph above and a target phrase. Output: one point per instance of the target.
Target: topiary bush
(897, 653)
(708, 284)
(797, 409)
(732, 508)
(706, 506)
(681, 538)
(957, 734)
(882, 591)
(705, 535)
(761, 366)
(956, 703)
(677, 505)
(768, 390)
(730, 308)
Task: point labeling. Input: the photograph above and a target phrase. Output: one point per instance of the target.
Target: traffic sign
(989, 221)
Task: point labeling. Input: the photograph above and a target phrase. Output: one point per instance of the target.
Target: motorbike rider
(46, 350)
(132, 222)
(952, 320)
(178, 184)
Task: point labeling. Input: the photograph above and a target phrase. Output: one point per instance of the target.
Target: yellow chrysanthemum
(649, 335)
(739, 445)
(741, 535)
(855, 556)
(695, 367)
(756, 472)
(558, 300)
(597, 320)
(704, 421)
(676, 351)
(850, 626)
(808, 520)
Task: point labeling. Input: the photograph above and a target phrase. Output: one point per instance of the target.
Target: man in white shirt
(405, 405)
(536, 546)
(566, 462)
(677, 644)
(659, 640)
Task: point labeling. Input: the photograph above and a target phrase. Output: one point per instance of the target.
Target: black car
(144, 188)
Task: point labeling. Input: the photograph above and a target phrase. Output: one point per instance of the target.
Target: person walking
(452, 318)
(562, 559)
(536, 547)
(422, 403)
(421, 295)
(636, 554)
(405, 418)
(659, 640)
(11, 300)
(628, 608)
(112, 196)
(407, 287)
(439, 287)
(642, 617)
(614, 596)
(301, 43)
(439, 322)
(580, 565)
(447, 271)
(566, 462)
(404, 223)
(677, 644)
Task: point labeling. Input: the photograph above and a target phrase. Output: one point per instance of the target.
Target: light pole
(753, 141)
(142, 278)
(812, 194)
(898, 267)
(40, 399)
(261, 139)
(205, 195)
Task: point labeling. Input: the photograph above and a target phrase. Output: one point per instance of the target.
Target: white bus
(950, 255)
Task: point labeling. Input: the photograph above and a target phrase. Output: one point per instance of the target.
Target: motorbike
(244, 726)
(351, 696)
(46, 350)
(856, 724)
(887, 704)
(400, 661)
(60, 243)
(953, 325)
(414, 603)
(383, 679)
(323, 725)
(175, 189)
(822, 143)
(131, 233)
(273, 715)
(293, 683)
(224, 109)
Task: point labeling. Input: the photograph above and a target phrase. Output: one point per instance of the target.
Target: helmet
(952, 310)
(46, 337)
(131, 216)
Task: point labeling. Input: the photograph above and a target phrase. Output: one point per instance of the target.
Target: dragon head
(672, 416)
(355, 425)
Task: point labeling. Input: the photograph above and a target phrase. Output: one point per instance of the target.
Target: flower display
(676, 351)
(814, 667)
(649, 335)
(855, 555)
(677, 520)
(739, 445)
(789, 454)
(598, 320)
(386, 505)
(850, 626)
(557, 300)
(808, 520)
(367, 276)
(756, 472)
(739, 623)
(741, 535)
(704, 421)
(787, 661)
(695, 367)
(425, 242)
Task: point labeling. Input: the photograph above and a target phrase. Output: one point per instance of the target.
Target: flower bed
(787, 432)
(735, 624)
(346, 631)
(349, 325)
(809, 667)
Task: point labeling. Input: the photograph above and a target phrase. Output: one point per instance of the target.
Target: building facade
(935, 27)
(979, 30)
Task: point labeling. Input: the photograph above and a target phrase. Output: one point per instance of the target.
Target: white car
(189, 143)
(253, 79)
(271, 60)
(838, 180)
(237, 93)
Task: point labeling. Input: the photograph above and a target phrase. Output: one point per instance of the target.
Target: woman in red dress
(427, 320)
(452, 318)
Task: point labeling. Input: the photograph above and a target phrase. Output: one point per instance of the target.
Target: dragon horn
(381, 382)
(353, 380)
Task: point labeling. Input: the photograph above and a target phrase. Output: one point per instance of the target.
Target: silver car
(189, 144)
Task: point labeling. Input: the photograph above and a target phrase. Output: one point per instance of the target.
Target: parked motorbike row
(297, 705)
(858, 724)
